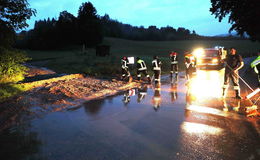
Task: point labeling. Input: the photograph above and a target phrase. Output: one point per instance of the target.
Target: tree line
(53, 33)
(88, 28)
(114, 28)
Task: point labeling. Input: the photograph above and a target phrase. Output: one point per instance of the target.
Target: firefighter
(141, 68)
(142, 92)
(190, 65)
(125, 69)
(256, 65)
(233, 63)
(174, 64)
(156, 98)
(156, 63)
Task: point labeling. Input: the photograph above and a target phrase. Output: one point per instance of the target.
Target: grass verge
(10, 90)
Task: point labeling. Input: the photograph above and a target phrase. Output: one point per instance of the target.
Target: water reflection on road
(167, 122)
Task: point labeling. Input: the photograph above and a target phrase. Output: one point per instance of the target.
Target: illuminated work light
(214, 60)
(198, 52)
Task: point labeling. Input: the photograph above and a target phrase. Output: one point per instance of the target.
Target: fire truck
(210, 58)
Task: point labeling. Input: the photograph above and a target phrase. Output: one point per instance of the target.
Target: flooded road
(177, 121)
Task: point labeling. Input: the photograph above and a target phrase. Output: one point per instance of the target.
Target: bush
(11, 68)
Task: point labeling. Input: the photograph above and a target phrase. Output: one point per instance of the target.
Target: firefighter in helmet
(256, 65)
(141, 68)
(125, 68)
(190, 65)
(174, 64)
(156, 63)
(233, 63)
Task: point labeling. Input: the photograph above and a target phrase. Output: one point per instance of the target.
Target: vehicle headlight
(214, 60)
(198, 52)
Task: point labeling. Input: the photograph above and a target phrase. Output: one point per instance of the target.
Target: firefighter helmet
(173, 53)
(188, 55)
(189, 58)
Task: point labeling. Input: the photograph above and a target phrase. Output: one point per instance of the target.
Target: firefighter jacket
(174, 59)
(233, 62)
(141, 65)
(156, 64)
(256, 65)
(124, 64)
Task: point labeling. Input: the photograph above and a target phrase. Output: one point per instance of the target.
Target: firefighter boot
(238, 95)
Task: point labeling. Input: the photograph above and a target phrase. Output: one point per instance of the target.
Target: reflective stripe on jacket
(124, 64)
(156, 64)
(255, 62)
(141, 65)
(174, 59)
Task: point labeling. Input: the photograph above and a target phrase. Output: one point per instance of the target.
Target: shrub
(11, 68)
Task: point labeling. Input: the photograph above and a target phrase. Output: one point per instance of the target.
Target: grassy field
(162, 48)
(71, 59)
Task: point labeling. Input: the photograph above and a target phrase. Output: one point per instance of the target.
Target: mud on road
(57, 94)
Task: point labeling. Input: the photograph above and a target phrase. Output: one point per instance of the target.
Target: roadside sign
(131, 60)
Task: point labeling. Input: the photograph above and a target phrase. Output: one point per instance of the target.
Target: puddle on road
(144, 98)
(144, 123)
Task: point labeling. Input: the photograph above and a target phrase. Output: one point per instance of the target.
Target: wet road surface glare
(176, 121)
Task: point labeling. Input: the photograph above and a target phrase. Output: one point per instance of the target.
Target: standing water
(143, 123)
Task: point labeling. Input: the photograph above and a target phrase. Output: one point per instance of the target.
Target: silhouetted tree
(13, 16)
(169, 33)
(67, 27)
(113, 28)
(15, 13)
(90, 31)
(244, 15)
(44, 35)
(7, 35)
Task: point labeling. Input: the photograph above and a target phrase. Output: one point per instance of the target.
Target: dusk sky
(190, 14)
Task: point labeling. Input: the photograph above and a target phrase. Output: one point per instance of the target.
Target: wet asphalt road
(145, 123)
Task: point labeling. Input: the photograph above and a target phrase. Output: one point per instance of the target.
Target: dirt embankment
(57, 94)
